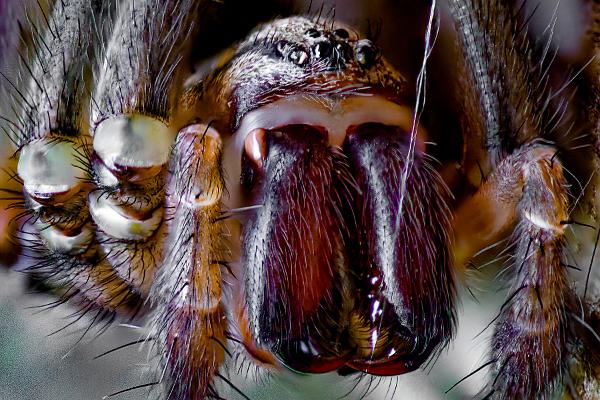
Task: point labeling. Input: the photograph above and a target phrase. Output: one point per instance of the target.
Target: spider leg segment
(529, 345)
(190, 321)
(585, 371)
(53, 165)
(131, 111)
(127, 203)
(133, 122)
(97, 204)
(510, 111)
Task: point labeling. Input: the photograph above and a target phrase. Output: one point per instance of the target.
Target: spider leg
(131, 124)
(134, 120)
(190, 321)
(96, 204)
(594, 36)
(509, 111)
(529, 345)
(585, 371)
(49, 131)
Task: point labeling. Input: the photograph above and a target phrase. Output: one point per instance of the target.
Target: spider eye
(322, 50)
(292, 52)
(281, 47)
(366, 53)
(313, 33)
(341, 33)
(298, 56)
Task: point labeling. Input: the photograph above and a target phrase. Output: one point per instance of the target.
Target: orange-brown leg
(190, 323)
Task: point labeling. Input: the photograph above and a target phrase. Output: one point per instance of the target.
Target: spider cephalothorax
(336, 258)
(293, 166)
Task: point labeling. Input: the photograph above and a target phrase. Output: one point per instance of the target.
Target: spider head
(345, 259)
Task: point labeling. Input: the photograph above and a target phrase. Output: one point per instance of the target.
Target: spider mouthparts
(255, 146)
(333, 261)
(403, 313)
(333, 115)
(385, 343)
(308, 355)
(290, 244)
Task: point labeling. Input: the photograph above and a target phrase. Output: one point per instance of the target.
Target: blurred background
(36, 363)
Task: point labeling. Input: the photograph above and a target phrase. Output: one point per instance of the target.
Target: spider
(294, 201)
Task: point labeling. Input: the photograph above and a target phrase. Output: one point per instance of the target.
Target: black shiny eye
(322, 50)
(298, 56)
(366, 53)
(341, 33)
(291, 52)
(344, 51)
(313, 33)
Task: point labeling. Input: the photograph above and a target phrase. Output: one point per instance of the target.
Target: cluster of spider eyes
(332, 48)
